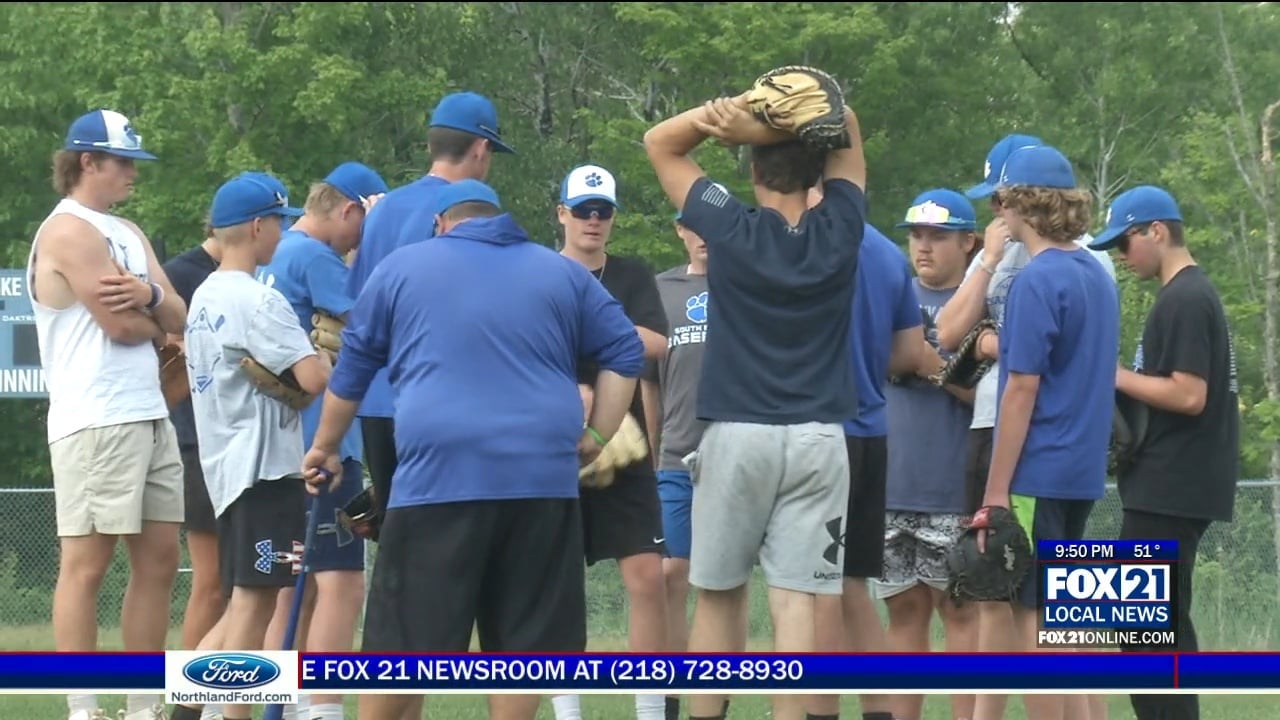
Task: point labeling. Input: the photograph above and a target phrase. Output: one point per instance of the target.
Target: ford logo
(231, 671)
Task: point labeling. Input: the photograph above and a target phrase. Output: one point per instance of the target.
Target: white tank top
(94, 381)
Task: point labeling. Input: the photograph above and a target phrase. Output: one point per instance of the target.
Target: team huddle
(798, 400)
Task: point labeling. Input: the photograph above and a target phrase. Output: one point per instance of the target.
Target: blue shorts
(675, 489)
(336, 548)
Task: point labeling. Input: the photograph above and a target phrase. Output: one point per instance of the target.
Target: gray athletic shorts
(773, 493)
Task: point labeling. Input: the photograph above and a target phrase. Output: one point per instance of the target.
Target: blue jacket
(481, 331)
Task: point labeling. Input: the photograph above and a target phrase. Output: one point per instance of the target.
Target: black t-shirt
(631, 282)
(186, 272)
(1188, 465)
(782, 299)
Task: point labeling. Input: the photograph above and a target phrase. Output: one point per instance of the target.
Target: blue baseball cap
(106, 131)
(996, 159)
(588, 182)
(1143, 204)
(248, 196)
(1038, 166)
(468, 190)
(941, 208)
(356, 181)
(472, 113)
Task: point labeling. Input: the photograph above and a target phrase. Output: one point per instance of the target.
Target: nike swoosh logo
(658, 540)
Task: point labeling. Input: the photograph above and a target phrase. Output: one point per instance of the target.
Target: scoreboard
(20, 373)
(1108, 594)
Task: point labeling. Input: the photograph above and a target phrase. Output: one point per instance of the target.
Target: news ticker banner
(279, 677)
(1097, 594)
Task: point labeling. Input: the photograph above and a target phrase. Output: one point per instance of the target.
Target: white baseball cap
(588, 182)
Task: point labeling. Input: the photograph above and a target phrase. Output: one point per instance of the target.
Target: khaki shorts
(109, 480)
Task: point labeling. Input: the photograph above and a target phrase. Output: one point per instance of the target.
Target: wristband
(157, 295)
(990, 270)
(595, 434)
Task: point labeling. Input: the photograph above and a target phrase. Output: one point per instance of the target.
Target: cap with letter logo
(106, 131)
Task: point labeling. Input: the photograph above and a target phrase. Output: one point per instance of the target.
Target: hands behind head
(728, 120)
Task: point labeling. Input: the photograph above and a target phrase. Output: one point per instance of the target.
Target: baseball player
(308, 270)
(250, 444)
(103, 306)
(771, 480)
(483, 516)
(623, 521)
(882, 344)
(1061, 338)
(925, 499)
(671, 387)
(205, 603)
(1183, 475)
(462, 139)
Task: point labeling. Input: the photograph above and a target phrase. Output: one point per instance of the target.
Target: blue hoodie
(401, 218)
(884, 303)
(481, 331)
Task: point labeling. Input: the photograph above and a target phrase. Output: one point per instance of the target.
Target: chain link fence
(1236, 607)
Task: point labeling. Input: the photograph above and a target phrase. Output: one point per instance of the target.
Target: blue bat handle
(276, 712)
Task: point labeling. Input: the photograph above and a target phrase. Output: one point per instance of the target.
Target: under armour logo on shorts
(832, 553)
(268, 556)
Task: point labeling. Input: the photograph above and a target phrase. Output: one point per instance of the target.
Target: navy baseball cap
(249, 196)
(472, 113)
(356, 181)
(463, 191)
(588, 182)
(996, 159)
(106, 131)
(1143, 204)
(941, 208)
(1038, 166)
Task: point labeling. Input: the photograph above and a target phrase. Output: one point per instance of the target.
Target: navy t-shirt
(782, 297)
(186, 272)
(1062, 323)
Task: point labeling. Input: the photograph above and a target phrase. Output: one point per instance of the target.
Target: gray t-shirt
(684, 299)
(928, 431)
(1015, 258)
(245, 437)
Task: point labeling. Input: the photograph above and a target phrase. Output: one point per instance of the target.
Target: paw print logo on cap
(695, 308)
(594, 180)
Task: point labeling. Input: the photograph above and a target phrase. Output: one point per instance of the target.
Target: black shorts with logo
(511, 568)
(864, 524)
(625, 518)
(260, 536)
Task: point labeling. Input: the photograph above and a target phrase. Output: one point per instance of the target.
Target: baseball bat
(276, 712)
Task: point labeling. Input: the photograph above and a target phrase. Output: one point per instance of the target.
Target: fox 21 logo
(1116, 583)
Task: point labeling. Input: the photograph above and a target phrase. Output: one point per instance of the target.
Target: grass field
(594, 707)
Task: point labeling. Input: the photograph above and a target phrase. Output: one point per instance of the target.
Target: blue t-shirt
(312, 275)
(402, 217)
(783, 300)
(481, 331)
(884, 303)
(1062, 323)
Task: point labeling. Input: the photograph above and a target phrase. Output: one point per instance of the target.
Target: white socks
(142, 704)
(327, 711)
(82, 703)
(567, 707)
(210, 712)
(301, 711)
(651, 707)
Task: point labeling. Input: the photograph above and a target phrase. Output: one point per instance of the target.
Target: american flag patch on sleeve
(716, 195)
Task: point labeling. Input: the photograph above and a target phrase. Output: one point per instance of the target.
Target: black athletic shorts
(625, 518)
(198, 509)
(379, 438)
(864, 523)
(1047, 519)
(260, 536)
(977, 464)
(511, 568)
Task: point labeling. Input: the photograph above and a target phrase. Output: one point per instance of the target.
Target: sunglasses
(584, 212)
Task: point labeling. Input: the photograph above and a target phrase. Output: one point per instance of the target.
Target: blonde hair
(323, 199)
(1055, 214)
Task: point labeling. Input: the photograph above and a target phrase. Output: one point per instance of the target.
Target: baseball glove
(284, 388)
(802, 100)
(361, 515)
(173, 374)
(1128, 430)
(627, 446)
(997, 574)
(964, 368)
(326, 334)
